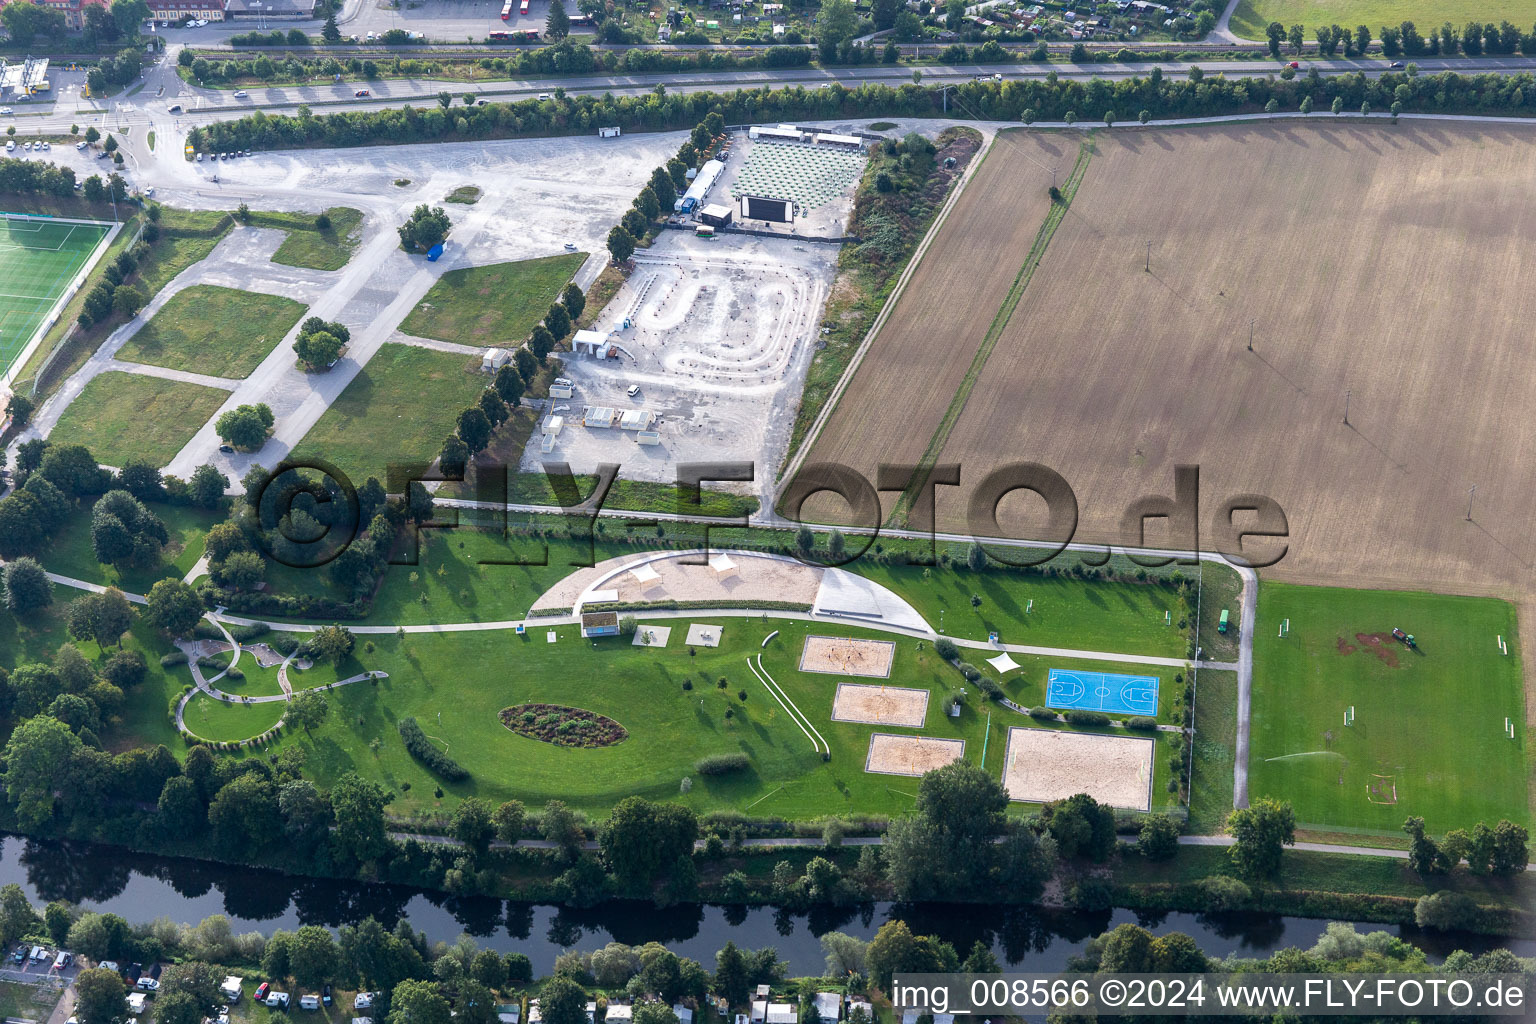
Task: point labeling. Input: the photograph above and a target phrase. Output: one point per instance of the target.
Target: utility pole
(1470, 494)
(1250, 340)
(1347, 393)
(1148, 267)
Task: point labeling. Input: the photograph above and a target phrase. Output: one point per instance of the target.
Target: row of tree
(1500, 850)
(1047, 98)
(478, 423)
(659, 195)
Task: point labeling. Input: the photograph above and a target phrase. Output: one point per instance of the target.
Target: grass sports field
(1428, 735)
(1251, 17)
(38, 260)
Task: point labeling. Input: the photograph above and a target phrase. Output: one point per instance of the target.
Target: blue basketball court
(1101, 691)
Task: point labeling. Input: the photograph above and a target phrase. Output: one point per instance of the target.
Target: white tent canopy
(1003, 663)
(721, 563)
(643, 573)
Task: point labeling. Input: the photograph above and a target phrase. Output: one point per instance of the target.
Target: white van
(63, 960)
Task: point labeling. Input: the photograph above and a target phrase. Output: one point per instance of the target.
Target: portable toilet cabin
(434, 252)
(1221, 627)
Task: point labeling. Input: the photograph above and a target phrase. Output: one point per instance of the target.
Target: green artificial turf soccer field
(38, 260)
(1428, 736)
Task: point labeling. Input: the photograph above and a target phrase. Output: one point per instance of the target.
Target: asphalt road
(164, 88)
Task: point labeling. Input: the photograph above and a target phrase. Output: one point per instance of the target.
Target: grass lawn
(1210, 798)
(186, 237)
(121, 416)
(309, 246)
(218, 331)
(27, 1002)
(495, 305)
(397, 409)
(216, 720)
(1066, 612)
(455, 685)
(70, 554)
(1333, 872)
(1428, 737)
(1252, 16)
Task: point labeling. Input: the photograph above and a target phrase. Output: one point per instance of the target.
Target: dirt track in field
(912, 370)
(1392, 261)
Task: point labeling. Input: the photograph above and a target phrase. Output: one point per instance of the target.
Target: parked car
(325, 994)
(147, 984)
(80, 145)
(63, 960)
(199, 158)
(632, 390)
(266, 986)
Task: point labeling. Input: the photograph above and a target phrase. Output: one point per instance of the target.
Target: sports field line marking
(28, 298)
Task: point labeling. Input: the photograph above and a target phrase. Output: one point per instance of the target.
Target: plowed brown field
(910, 374)
(1395, 262)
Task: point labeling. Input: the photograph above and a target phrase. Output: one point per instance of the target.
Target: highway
(164, 88)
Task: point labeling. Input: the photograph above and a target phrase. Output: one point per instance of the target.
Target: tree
(331, 33)
(1298, 37)
(317, 350)
(895, 949)
(732, 980)
(1260, 831)
(453, 456)
(312, 956)
(178, 1008)
(307, 710)
(509, 385)
(541, 343)
(100, 997)
(1081, 827)
(621, 245)
(1422, 851)
(37, 760)
(19, 407)
(244, 813)
(562, 1001)
(494, 408)
(558, 321)
(474, 429)
(508, 821)
(425, 228)
(27, 587)
(574, 300)
(527, 364)
(559, 825)
(1510, 848)
(358, 806)
(945, 849)
(421, 1002)
(472, 825)
(246, 426)
(1159, 838)
(242, 570)
(174, 606)
(1446, 910)
(332, 643)
(129, 15)
(1276, 34)
(640, 838)
(57, 919)
(128, 300)
(558, 24)
(102, 618)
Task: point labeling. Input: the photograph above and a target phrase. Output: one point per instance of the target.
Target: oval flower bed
(566, 727)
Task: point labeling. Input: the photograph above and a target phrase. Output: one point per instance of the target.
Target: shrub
(1141, 722)
(1223, 892)
(990, 687)
(971, 672)
(722, 764)
(945, 648)
(1042, 714)
(172, 659)
(432, 759)
(1077, 716)
(1445, 910)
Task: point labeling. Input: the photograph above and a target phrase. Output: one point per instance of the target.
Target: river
(142, 887)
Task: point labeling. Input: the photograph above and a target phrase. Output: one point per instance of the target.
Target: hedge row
(432, 759)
